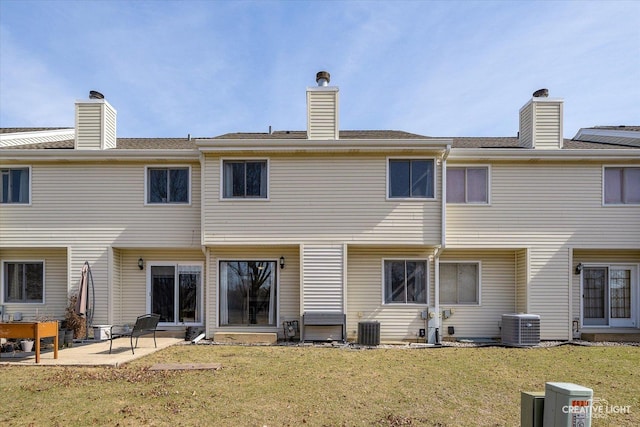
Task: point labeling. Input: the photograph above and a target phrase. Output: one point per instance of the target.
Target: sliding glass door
(247, 293)
(175, 293)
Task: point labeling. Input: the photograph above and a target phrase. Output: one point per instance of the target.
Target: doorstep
(246, 337)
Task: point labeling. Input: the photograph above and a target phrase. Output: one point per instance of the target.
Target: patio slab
(91, 353)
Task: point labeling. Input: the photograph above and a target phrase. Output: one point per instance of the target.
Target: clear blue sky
(209, 67)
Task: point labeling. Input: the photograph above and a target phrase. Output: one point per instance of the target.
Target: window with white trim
(622, 185)
(411, 178)
(459, 283)
(15, 185)
(168, 185)
(244, 179)
(405, 281)
(468, 185)
(23, 282)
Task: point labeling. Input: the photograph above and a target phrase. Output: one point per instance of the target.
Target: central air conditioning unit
(520, 330)
(369, 333)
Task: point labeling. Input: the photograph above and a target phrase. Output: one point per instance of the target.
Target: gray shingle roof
(185, 144)
(344, 134)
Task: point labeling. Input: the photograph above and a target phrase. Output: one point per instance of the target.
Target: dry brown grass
(295, 386)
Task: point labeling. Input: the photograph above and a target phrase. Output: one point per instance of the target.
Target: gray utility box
(531, 408)
(567, 405)
(369, 333)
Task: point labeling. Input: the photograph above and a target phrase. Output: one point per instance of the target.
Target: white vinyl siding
(319, 199)
(322, 278)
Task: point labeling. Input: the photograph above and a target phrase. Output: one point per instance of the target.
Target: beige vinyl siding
(133, 292)
(72, 206)
(322, 278)
(548, 125)
(55, 270)
(109, 127)
(365, 293)
(288, 284)
(498, 293)
(548, 208)
(319, 199)
(522, 280)
(552, 204)
(526, 126)
(604, 256)
(99, 204)
(322, 113)
(116, 287)
(89, 125)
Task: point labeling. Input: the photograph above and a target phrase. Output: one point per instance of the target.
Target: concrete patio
(90, 353)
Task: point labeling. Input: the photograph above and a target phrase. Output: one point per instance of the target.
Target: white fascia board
(468, 154)
(70, 155)
(313, 146)
(38, 133)
(607, 132)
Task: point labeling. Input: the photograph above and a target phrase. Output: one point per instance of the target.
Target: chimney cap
(323, 78)
(541, 93)
(94, 94)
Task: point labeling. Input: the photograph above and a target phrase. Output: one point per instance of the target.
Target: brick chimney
(541, 122)
(95, 123)
(322, 109)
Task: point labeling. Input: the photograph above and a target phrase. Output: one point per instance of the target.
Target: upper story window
(411, 178)
(468, 185)
(168, 185)
(15, 185)
(23, 282)
(405, 282)
(460, 283)
(622, 185)
(244, 179)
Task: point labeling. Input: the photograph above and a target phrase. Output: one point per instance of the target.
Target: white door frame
(630, 322)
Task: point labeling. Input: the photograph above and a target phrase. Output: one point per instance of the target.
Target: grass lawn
(314, 386)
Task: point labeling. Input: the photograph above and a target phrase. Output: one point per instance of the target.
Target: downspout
(443, 243)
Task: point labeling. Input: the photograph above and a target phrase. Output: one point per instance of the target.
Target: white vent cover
(520, 330)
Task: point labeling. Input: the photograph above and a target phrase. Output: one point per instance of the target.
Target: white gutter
(436, 293)
(468, 154)
(445, 155)
(306, 145)
(70, 155)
